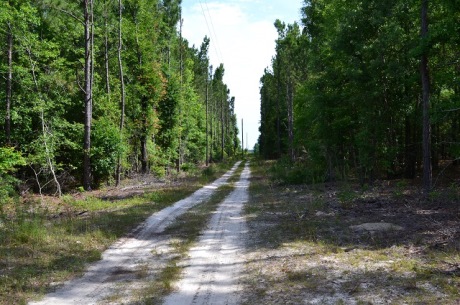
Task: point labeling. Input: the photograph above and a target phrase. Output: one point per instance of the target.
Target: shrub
(105, 150)
(9, 159)
(296, 173)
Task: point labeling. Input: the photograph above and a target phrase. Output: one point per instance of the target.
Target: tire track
(212, 271)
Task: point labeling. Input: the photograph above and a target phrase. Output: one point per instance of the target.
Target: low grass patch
(45, 243)
(42, 249)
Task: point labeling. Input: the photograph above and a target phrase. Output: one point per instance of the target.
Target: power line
(212, 33)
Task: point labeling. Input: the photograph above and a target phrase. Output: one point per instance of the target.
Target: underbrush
(215, 170)
(41, 247)
(300, 172)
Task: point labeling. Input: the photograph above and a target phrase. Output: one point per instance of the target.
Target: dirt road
(212, 272)
(125, 259)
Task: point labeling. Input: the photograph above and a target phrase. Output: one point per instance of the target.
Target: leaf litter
(380, 245)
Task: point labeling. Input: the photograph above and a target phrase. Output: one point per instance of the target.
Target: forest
(96, 91)
(366, 89)
(115, 127)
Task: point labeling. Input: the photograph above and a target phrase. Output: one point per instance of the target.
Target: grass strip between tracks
(183, 234)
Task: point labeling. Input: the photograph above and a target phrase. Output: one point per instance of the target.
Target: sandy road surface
(121, 261)
(212, 271)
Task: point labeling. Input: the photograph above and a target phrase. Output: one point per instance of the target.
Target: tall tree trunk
(88, 5)
(122, 86)
(143, 140)
(181, 73)
(144, 105)
(278, 115)
(144, 155)
(290, 115)
(222, 127)
(9, 85)
(455, 129)
(427, 170)
(410, 155)
(435, 147)
(106, 50)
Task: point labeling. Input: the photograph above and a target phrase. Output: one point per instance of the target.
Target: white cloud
(242, 37)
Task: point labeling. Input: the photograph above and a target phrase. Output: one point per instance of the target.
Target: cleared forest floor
(338, 243)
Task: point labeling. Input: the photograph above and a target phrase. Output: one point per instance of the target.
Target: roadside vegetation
(325, 243)
(366, 89)
(46, 240)
(94, 95)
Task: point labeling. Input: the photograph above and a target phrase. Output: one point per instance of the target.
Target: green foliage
(287, 172)
(208, 171)
(106, 149)
(7, 188)
(9, 160)
(353, 68)
(165, 80)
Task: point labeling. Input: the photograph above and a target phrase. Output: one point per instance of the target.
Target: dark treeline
(95, 91)
(365, 88)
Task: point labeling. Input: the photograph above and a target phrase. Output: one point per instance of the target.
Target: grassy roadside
(45, 243)
(302, 249)
(182, 235)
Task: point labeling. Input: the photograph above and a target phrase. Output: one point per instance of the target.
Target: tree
(9, 82)
(122, 85)
(347, 86)
(88, 36)
(9, 161)
(427, 179)
(149, 107)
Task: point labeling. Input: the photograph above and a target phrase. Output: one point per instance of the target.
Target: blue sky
(243, 39)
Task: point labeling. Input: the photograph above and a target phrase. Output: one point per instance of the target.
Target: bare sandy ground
(125, 258)
(213, 269)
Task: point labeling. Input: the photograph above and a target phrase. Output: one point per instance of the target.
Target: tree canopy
(92, 86)
(344, 94)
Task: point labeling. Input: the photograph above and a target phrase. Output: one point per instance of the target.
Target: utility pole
(181, 71)
(242, 139)
(211, 115)
(222, 124)
(207, 131)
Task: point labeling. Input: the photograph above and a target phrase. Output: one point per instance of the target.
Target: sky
(243, 39)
